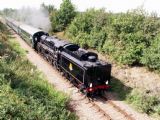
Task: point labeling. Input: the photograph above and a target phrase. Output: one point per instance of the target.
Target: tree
(66, 12)
(49, 8)
(63, 16)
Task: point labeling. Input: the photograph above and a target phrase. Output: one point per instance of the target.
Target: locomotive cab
(98, 78)
(99, 75)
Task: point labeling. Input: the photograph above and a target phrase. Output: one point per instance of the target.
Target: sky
(82, 5)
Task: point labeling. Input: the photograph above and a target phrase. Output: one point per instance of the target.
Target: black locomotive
(82, 68)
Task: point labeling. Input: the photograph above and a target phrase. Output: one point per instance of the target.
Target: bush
(82, 39)
(144, 102)
(88, 26)
(152, 55)
(124, 36)
(157, 109)
(130, 35)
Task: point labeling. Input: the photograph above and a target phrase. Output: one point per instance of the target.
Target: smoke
(38, 18)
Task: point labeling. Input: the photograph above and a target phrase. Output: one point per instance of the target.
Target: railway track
(104, 114)
(123, 112)
(104, 102)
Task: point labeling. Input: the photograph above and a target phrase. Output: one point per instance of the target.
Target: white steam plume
(35, 17)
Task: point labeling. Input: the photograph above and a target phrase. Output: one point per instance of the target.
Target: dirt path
(83, 110)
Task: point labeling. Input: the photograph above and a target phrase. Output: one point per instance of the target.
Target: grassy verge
(139, 99)
(24, 92)
(144, 102)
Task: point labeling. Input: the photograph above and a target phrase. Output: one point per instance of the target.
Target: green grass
(16, 47)
(144, 102)
(139, 99)
(24, 91)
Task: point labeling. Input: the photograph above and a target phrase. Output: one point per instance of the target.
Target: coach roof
(29, 29)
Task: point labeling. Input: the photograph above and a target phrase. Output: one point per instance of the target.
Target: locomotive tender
(82, 68)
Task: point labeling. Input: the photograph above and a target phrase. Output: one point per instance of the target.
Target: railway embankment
(24, 91)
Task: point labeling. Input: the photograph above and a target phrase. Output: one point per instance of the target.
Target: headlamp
(107, 82)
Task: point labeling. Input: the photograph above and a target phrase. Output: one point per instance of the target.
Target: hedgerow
(125, 37)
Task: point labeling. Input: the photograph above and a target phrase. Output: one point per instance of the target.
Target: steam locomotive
(81, 67)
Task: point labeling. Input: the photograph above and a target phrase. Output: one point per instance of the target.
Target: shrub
(124, 36)
(157, 109)
(151, 55)
(89, 26)
(129, 36)
(143, 102)
(82, 39)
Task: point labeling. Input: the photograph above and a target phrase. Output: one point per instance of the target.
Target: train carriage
(30, 34)
(13, 24)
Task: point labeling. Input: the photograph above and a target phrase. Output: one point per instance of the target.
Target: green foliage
(124, 36)
(61, 18)
(56, 26)
(152, 55)
(24, 92)
(157, 109)
(131, 34)
(82, 39)
(143, 102)
(89, 28)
